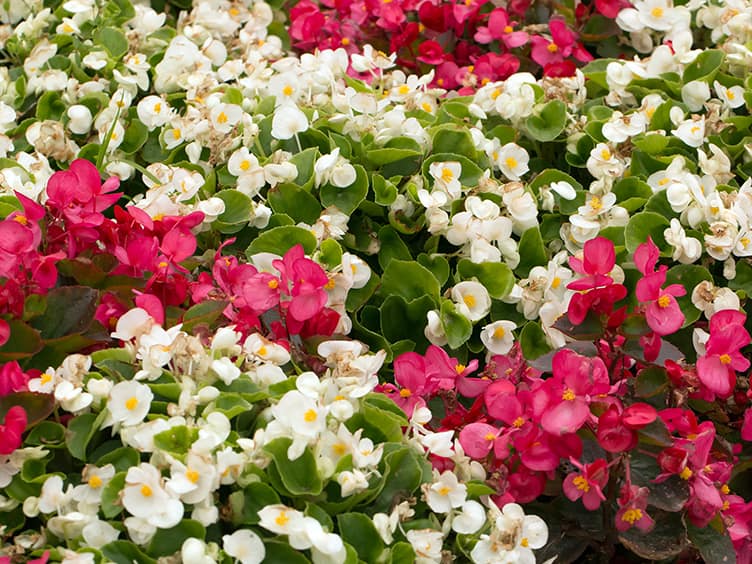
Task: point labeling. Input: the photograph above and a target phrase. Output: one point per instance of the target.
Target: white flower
(145, 498)
(280, 519)
(513, 161)
(434, 330)
(133, 324)
(691, 131)
(265, 350)
(53, 498)
(686, 249)
(427, 544)
(80, 119)
(445, 493)
(72, 398)
(99, 533)
(288, 121)
(472, 300)
(498, 336)
(225, 369)
(732, 97)
(352, 482)
(694, 94)
(470, 519)
(446, 176)
(154, 111)
(245, 546)
(225, 116)
(128, 403)
(194, 551)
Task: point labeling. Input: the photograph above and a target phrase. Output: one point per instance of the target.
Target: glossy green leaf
(644, 225)
(358, 530)
(457, 327)
(299, 476)
(294, 201)
(497, 277)
(548, 124)
(349, 198)
(533, 341)
(279, 240)
(689, 276)
(410, 280)
(169, 541)
(532, 251)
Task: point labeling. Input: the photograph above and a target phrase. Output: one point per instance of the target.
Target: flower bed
(272, 294)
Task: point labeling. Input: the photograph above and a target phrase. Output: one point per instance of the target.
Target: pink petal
(599, 255)
(715, 375)
(566, 417)
(646, 257)
(477, 439)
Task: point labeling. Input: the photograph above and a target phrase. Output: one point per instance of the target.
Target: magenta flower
(477, 439)
(12, 429)
(411, 384)
(575, 379)
(662, 313)
(500, 28)
(587, 484)
(717, 368)
(632, 512)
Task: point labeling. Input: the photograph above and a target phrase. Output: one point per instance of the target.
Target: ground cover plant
(375, 281)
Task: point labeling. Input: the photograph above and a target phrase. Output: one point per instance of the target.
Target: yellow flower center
(273, 284)
(45, 378)
(405, 393)
(339, 449)
(95, 482)
(568, 395)
(157, 107)
(310, 416)
(657, 12)
(663, 181)
(606, 154)
(262, 351)
(632, 515)
(725, 489)
(176, 133)
(524, 542)
(192, 476)
(404, 89)
(495, 94)
(427, 107)
(245, 165)
(508, 29)
(460, 368)
(469, 300)
(730, 95)
(581, 483)
(443, 490)
(519, 422)
(489, 437)
(685, 474)
(287, 90)
(499, 333)
(345, 41)
(222, 117)
(664, 301)
(695, 129)
(596, 204)
(131, 403)
(22, 219)
(511, 162)
(725, 359)
(744, 241)
(282, 519)
(552, 47)
(556, 282)
(146, 491)
(446, 174)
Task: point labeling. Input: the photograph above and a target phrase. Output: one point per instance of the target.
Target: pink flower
(477, 439)
(575, 379)
(617, 430)
(662, 314)
(78, 193)
(12, 429)
(12, 378)
(411, 383)
(587, 484)
(4, 332)
(747, 425)
(633, 503)
(501, 28)
(717, 368)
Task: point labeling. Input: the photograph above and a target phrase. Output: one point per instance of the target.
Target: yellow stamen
(568, 395)
(552, 47)
(339, 449)
(511, 162)
(596, 204)
(345, 41)
(685, 474)
(519, 422)
(605, 154)
(664, 301)
(287, 90)
(489, 436)
(131, 403)
(725, 359)
(222, 117)
(192, 476)
(146, 491)
(282, 519)
(469, 300)
(460, 368)
(632, 515)
(556, 282)
(273, 284)
(657, 12)
(45, 378)
(405, 393)
(508, 29)
(262, 351)
(404, 89)
(95, 482)
(581, 483)
(22, 219)
(499, 333)
(725, 489)
(444, 490)
(176, 133)
(310, 416)
(446, 174)
(524, 542)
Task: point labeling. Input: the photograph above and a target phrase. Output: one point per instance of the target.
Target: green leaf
(457, 327)
(125, 552)
(391, 246)
(50, 107)
(651, 382)
(113, 40)
(279, 240)
(246, 504)
(22, 343)
(349, 198)
(471, 172)
(643, 225)
(331, 253)
(169, 541)
(547, 124)
(689, 276)
(451, 138)
(385, 192)
(299, 476)
(358, 530)
(437, 264)
(121, 458)
(401, 319)
(46, 433)
(410, 280)
(296, 202)
(111, 506)
(176, 440)
(231, 405)
(81, 430)
(238, 209)
(715, 547)
(304, 162)
(532, 251)
(203, 314)
(283, 553)
(704, 67)
(533, 341)
(70, 310)
(497, 277)
(135, 136)
(667, 539)
(402, 476)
